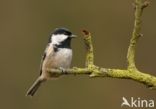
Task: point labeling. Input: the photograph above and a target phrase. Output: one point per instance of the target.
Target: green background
(25, 26)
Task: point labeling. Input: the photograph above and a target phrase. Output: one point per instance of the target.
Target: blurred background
(25, 26)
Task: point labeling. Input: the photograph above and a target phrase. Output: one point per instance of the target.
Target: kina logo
(137, 102)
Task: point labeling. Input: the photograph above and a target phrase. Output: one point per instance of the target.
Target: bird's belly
(61, 58)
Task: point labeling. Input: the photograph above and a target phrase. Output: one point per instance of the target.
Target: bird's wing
(44, 56)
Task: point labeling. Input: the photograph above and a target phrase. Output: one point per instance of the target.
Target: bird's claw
(62, 69)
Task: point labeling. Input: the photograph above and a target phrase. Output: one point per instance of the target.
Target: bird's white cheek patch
(57, 39)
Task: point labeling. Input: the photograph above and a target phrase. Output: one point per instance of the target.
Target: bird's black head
(64, 31)
(61, 37)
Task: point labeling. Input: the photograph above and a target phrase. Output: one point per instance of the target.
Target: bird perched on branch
(57, 55)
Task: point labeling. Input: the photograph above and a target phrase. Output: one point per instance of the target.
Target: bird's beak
(73, 36)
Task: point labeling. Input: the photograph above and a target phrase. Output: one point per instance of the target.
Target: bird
(57, 55)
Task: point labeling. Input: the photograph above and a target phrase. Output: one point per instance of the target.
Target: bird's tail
(32, 90)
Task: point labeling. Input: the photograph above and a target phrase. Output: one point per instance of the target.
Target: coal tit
(58, 54)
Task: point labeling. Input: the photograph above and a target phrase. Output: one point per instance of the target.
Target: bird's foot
(63, 70)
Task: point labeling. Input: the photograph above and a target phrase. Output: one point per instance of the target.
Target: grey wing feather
(43, 58)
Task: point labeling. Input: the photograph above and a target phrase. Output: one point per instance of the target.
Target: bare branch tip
(145, 4)
(85, 32)
(134, 5)
(141, 35)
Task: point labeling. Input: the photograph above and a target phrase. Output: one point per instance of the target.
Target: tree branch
(144, 78)
(139, 6)
(130, 73)
(89, 48)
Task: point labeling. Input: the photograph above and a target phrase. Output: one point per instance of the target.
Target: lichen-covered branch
(139, 6)
(130, 73)
(135, 75)
(89, 49)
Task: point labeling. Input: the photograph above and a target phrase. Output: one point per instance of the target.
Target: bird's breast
(61, 58)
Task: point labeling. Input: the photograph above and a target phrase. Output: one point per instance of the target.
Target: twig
(89, 47)
(135, 35)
